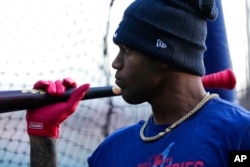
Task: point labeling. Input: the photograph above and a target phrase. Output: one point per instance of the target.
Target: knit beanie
(172, 31)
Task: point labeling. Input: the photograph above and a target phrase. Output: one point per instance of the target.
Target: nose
(117, 63)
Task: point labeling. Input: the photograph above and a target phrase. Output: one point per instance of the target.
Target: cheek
(140, 72)
(135, 74)
(141, 78)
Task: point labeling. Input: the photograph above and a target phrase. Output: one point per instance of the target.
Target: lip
(118, 81)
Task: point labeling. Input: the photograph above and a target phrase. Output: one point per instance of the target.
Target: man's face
(137, 75)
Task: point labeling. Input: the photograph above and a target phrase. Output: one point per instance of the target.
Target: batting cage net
(54, 39)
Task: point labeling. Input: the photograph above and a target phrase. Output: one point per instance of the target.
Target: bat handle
(20, 100)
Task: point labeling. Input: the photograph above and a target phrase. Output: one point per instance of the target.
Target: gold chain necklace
(172, 126)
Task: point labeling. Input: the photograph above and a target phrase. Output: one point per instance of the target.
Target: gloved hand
(45, 121)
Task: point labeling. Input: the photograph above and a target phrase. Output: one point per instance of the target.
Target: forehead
(135, 54)
(121, 46)
(130, 50)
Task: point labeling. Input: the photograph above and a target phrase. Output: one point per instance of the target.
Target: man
(160, 61)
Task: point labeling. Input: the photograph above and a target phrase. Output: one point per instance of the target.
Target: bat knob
(224, 79)
(116, 90)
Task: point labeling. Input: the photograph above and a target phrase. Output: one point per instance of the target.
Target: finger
(69, 83)
(77, 95)
(60, 88)
(51, 88)
(41, 84)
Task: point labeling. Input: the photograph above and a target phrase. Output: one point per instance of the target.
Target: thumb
(77, 95)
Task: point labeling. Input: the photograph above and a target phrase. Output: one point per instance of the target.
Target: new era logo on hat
(160, 44)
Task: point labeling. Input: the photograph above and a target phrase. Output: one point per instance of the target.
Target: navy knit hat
(173, 31)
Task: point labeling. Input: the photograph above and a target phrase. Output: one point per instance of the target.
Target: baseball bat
(15, 100)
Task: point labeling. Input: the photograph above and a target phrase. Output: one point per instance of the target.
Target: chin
(132, 99)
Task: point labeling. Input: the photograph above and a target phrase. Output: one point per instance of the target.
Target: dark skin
(171, 92)
(136, 75)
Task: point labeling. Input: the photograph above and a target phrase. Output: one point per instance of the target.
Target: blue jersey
(203, 140)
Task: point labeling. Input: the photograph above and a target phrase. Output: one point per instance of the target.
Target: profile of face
(137, 75)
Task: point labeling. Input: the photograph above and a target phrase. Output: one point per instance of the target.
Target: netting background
(53, 39)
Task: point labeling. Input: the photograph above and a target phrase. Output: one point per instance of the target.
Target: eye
(124, 50)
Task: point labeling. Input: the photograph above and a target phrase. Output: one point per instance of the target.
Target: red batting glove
(45, 121)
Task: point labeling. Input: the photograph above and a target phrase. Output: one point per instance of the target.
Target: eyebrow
(124, 47)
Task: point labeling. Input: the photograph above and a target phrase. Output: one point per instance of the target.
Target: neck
(177, 97)
(204, 100)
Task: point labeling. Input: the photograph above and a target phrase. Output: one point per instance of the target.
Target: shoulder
(130, 130)
(225, 121)
(121, 139)
(227, 115)
(125, 134)
(219, 107)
